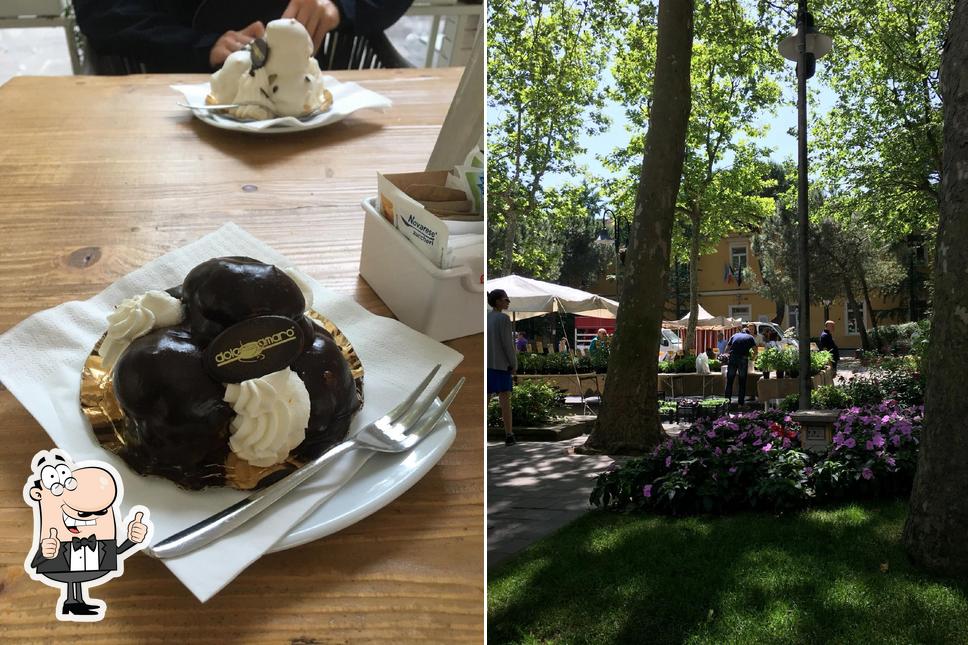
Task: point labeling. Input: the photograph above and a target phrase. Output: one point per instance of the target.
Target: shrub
(900, 383)
(824, 397)
(554, 363)
(874, 452)
(898, 339)
(787, 360)
(754, 461)
(532, 404)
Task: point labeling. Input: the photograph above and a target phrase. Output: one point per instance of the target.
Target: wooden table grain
(99, 175)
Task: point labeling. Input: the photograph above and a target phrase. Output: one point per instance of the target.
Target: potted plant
(767, 361)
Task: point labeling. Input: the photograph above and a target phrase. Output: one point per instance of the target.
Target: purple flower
(850, 443)
(896, 440)
(808, 471)
(647, 490)
(718, 452)
(877, 440)
(668, 461)
(732, 470)
(869, 445)
(838, 439)
(711, 434)
(767, 448)
(867, 473)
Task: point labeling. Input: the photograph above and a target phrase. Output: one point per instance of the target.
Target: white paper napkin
(347, 98)
(41, 361)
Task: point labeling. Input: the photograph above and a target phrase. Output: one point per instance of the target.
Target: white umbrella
(531, 298)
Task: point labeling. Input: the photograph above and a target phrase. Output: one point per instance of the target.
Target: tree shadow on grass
(809, 577)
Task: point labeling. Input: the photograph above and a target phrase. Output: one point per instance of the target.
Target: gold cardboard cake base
(107, 418)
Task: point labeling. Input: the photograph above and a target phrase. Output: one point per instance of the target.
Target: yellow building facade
(721, 295)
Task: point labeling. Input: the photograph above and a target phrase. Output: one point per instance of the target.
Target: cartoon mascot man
(75, 515)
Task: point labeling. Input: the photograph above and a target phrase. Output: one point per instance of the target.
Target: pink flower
(767, 448)
(867, 473)
(711, 434)
(647, 490)
(732, 470)
(877, 440)
(850, 443)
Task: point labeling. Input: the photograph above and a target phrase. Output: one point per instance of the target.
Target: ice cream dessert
(274, 76)
(226, 379)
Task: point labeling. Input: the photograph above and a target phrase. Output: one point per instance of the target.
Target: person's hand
(137, 530)
(232, 41)
(319, 17)
(50, 546)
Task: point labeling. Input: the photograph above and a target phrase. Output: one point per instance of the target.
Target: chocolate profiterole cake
(225, 380)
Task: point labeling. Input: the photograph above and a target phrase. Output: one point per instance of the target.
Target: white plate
(380, 481)
(347, 98)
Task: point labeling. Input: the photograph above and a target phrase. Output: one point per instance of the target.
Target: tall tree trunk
(874, 314)
(511, 225)
(938, 520)
(696, 220)
(780, 304)
(865, 340)
(629, 419)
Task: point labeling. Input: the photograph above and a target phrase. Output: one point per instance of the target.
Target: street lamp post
(804, 47)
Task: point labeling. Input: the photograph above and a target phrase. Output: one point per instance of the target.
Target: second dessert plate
(347, 99)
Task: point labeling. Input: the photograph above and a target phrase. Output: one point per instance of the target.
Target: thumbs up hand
(137, 530)
(49, 546)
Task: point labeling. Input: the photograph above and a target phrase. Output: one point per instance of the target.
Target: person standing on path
(738, 348)
(502, 359)
(827, 342)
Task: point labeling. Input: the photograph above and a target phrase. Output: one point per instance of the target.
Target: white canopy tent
(530, 298)
(708, 327)
(704, 321)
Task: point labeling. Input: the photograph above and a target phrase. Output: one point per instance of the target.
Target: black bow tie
(89, 542)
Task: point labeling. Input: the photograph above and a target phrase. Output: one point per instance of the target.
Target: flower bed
(755, 461)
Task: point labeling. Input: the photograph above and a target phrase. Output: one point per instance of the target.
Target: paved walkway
(533, 489)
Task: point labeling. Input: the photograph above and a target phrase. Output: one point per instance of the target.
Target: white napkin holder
(441, 303)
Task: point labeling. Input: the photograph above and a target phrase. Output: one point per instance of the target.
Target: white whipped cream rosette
(135, 317)
(272, 413)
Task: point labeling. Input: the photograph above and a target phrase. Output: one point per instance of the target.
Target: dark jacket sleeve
(138, 29)
(364, 17)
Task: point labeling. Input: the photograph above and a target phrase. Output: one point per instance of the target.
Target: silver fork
(398, 430)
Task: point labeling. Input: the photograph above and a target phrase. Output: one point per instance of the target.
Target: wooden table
(100, 175)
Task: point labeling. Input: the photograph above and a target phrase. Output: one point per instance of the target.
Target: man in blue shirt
(738, 347)
(827, 342)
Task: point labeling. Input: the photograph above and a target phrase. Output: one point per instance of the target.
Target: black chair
(338, 51)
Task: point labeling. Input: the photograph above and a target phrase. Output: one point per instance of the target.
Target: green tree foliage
(576, 211)
(880, 146)
(544, 99)
(725, 175)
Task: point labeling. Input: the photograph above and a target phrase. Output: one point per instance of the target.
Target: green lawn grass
(810, 577)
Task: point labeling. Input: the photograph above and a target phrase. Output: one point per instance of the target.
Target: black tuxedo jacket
(61, 563)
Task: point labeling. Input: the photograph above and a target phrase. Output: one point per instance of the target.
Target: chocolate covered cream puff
(225, 379)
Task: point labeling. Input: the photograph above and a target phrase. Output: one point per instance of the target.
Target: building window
(793, 316)
(851, 323)
(737, 257)
(741, 312)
